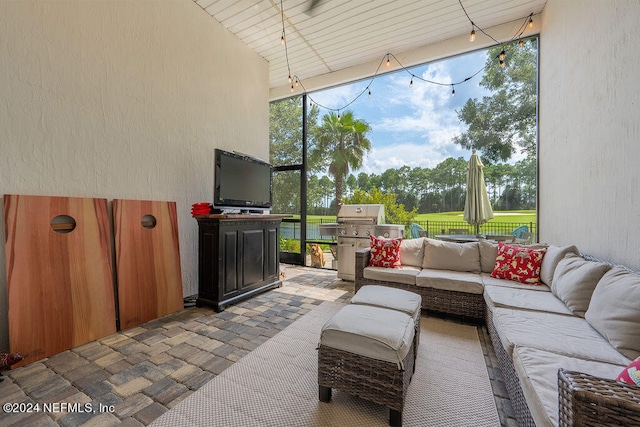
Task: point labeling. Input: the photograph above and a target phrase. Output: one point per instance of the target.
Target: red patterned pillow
(631, 374)
(385, 252)
(518, 263)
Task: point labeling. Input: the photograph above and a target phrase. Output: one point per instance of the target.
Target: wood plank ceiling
(338, 34)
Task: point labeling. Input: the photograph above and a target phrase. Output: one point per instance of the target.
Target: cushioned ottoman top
(386, 297)
(378, 333)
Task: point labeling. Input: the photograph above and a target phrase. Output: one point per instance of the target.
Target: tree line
(438, 189)
(499, 125)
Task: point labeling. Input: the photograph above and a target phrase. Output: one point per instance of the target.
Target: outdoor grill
(355, 224)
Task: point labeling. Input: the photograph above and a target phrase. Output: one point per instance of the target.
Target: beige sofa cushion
(405, 274)
(412, 252)
(488, 253)
(614, 310)
(537, 373)
(378, 333)
(442, 255)
(487, 280)
(574, 281)
(387, 297)
(551, 259)
(523, 299)
(459, 281)
(571, 336)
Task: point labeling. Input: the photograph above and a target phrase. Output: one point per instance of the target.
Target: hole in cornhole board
(149, 222)
(63, 224)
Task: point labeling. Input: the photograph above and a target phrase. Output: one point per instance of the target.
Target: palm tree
(340, 144)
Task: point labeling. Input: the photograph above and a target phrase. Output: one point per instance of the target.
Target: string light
(283, 41)
(527, 23)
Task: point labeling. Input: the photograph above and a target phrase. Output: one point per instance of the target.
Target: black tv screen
(241, 182)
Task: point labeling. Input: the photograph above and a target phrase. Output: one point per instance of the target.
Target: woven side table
(368, 352)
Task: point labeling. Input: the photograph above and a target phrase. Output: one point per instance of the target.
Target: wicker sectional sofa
(560, 344)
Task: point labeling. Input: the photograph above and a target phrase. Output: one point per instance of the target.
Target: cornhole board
(149, 278)
(59, 277)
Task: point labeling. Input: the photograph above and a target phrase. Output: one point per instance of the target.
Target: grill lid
(373, 214)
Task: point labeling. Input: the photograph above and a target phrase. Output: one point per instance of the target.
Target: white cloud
(412, 126)
(381, 158)
(337, 97)
(420, 134)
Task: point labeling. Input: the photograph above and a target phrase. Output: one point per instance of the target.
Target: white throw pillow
(614, 310)
(574, 281)
(441, 255)
(412, 252)
(488, 253)
(551, 259)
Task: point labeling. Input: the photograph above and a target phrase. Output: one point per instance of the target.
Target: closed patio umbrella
(477, 208)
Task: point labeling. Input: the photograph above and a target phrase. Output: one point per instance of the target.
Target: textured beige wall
(590, 127)
(123, 99)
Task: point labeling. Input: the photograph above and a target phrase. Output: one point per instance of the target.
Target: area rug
(276, 384)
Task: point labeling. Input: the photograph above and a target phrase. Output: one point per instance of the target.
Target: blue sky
(414, 125)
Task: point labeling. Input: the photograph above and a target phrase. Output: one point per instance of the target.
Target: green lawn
(523, 216)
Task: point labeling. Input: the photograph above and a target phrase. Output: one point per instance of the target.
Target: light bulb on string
(282, 39)
(294, 81)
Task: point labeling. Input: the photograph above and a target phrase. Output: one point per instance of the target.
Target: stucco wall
(590, 127)
(123, 99)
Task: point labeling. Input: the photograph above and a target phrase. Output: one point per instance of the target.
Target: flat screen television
(241, 182)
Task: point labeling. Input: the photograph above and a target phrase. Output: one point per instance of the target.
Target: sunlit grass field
(522, 216)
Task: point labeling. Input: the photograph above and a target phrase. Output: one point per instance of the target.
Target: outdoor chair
(525, 238)
(415, 230)
(518, 231)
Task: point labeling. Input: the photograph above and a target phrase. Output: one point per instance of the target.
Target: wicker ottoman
(367, 352)
(394, 299)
